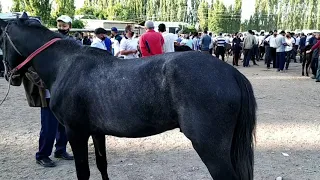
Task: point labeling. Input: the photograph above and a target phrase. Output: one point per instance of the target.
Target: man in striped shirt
(220, 42)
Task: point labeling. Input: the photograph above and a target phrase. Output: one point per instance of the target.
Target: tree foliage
(77, 24)
(64, 7)
(213, 15)
(41, 8)
(203, 15)
(285, 15)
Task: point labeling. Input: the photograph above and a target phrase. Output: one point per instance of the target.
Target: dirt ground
(288, 122)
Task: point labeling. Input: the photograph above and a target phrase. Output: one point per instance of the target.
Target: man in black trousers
(267, 58)
(273, 47)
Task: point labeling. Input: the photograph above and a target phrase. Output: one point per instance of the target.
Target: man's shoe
(64, 155)
(46, 162)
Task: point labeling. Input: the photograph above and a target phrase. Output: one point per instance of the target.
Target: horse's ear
(24, 16)
(3, 24)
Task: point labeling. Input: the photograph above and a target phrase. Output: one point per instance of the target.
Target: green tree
(237, 15)
(311, 14)
(182, 10)
(163, 9)
(220, 18)
(41, 8)
(188, 29)
(193, 12)
(64, 7)
(203, 15)
(77, 24)
(17, 6)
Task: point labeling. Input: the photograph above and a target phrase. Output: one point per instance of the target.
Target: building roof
(168, 24)
(108, 21)
(12, 15)
(9, 15)
(83, 30)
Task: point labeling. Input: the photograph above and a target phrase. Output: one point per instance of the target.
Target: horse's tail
(242, 152)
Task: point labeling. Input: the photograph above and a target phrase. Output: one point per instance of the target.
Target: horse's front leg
(79, 144)
(101, 157)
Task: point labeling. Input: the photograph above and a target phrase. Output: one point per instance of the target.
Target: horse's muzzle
(16, 79)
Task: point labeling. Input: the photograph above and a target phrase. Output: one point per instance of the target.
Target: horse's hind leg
(79, 145)
(211, 137)
(216, 159)
(101, 157)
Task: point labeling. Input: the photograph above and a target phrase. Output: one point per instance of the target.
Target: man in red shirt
(151, 42)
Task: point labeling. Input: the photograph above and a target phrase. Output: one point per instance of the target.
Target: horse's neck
(50, 62)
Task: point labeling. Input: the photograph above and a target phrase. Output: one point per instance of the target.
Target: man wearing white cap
(64, 24)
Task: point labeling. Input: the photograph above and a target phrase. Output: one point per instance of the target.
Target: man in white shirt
(296, 46)
(273, 46)
(309, 36)
(261, 45)
(169, 39)
(116, 39)
(98, 41)
(195, 42)
(129, 45)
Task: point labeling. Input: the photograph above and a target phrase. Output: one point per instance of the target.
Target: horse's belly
(135, 128)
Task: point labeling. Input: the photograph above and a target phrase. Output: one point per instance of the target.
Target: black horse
(181, 48)
(306, 62)
(93, 93)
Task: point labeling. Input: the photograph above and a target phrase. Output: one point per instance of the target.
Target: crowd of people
(276, 49)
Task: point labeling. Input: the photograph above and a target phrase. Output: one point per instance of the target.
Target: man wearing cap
(99, 41)
(51, 129)
(64, 24)
(151, 42)
(116, 41)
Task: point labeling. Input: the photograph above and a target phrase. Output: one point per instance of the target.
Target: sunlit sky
(247, 6)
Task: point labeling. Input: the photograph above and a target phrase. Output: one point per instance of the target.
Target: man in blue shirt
(205, 42)
(107, 41)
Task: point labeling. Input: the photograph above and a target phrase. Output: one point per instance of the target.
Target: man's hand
(308, 51)
(134, 51)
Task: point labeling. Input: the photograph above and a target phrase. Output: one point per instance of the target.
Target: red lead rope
(36, 52)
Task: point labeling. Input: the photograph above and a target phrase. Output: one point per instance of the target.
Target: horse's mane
(35, 23)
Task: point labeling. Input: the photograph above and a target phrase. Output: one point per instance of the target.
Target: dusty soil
(288, 122)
